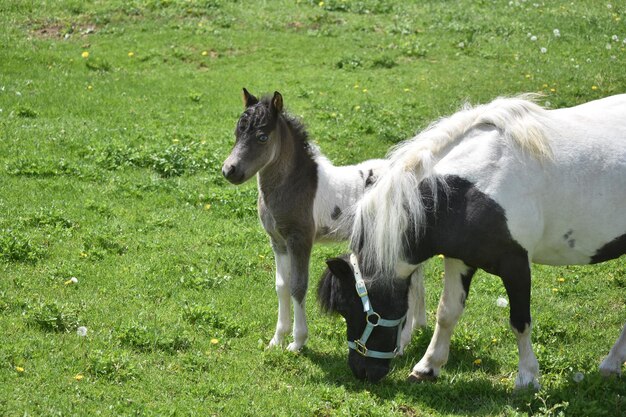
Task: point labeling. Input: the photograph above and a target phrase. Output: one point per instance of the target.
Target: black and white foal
(494, 187)
(303, 198)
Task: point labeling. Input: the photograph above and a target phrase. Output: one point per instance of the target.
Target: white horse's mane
(394, 203)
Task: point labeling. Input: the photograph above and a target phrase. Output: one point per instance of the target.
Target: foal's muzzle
(232, 174)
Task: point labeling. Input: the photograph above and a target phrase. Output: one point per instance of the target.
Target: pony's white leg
(612, 364)
(456, 284)
(416, 316)
(300, 328)
(515, 274)
(299, 249)
(283, 325)
(528, 368)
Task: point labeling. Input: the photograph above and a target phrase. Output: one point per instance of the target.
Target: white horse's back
(557, 208)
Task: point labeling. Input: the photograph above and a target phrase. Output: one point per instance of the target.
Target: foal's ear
(341, 269)
(277, 102)
(248, 99)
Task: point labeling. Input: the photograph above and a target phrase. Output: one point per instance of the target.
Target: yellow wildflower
(561, 279)
(19, 369)
(131, 54)
(205, 53)
(477, 362)
(594, 87)
(78, 377)
(214, 341)
(85, 54)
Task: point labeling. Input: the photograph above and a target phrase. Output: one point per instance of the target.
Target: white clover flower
(533, 38)
(502, 302)
(615, 38)
(608, 46)
(609, 6)
(557, 33)
(543, 50)
(578, 376)
(81, 331)
(624, 41)
(74, 280)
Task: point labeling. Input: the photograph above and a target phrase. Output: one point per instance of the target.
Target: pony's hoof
(416, 377)
(294, 347)
(610, 367)
(276, 343)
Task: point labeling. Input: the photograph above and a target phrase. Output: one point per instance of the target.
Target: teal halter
(373, 320)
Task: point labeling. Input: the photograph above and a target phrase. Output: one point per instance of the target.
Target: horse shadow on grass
(477, 395)
(447, 396)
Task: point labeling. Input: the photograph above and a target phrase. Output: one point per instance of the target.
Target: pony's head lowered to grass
(374, 324)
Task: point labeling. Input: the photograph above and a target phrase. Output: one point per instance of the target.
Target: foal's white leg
(299, 250)
(528, 367)
(612, 364)
(450, 308)
(283, 290)
(300, 328)
(416, 316)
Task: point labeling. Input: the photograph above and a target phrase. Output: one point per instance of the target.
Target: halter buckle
(361, 290)
(360, 347)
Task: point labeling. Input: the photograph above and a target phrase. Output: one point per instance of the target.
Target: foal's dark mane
(296, 125)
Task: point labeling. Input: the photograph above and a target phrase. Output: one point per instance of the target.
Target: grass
(114, 120)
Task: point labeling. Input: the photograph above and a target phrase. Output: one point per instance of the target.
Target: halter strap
(373, 319)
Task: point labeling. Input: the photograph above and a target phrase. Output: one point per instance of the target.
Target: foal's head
(256, 142)
(337, 294)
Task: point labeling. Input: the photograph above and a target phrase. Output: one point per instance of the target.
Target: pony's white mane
(394, 203)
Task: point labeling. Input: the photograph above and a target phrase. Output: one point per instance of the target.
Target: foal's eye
(263, 138)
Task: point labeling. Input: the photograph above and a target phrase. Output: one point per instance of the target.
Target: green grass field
(115, 117)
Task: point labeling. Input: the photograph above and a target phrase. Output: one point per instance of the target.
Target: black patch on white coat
(613, 249)
(469, 225)
(336, 213)
(371, 179)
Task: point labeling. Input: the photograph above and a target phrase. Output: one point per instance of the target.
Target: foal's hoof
(416, 377)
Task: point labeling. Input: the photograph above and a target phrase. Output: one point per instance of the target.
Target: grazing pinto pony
(302, 198)
(494, 187)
